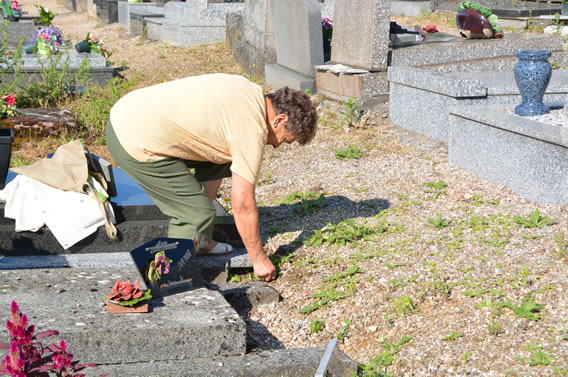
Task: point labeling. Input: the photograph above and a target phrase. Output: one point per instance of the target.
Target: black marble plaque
(183, 274)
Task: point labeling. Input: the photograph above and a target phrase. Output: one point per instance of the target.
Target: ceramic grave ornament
(532, 74)
(477, 22)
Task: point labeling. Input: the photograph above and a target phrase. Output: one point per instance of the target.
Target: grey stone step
(195, 324)
(278, 363)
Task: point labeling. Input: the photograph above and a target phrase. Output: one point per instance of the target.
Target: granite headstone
(299, 44)
(361, 34)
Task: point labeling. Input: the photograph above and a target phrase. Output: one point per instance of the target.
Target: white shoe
(219, 249)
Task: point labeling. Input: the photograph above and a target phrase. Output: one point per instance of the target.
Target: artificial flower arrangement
(8, 105)
(327, 28)
(93, 45)
(126, 294)
(430, 28)
(485, 12)
(48, 40)
(46, 16)
(11, 8)
(158, 267)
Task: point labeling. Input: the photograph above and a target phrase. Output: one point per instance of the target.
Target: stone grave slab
(528, 156)
(299, 44)
(275, 363)
(361, 34)
(23, 30)
(195, 324)
(124, 9)
(138, 221)
(420, 99)
(100, 73)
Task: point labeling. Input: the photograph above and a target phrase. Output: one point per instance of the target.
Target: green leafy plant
(92, 108)
(351, 111)
(557, 22)
(340, 234)
(535, 220)
(385, 358)
(495, 329)
(342, 275)
(316, 326)
(343, 332)
(528, 309)
(439, 222)
(350, 152)
(452, 337)
(308, 206)
(404, 305)
(46, 16)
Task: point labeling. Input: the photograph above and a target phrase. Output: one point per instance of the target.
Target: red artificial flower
(124, 291)
(10, 99)
(430, 28)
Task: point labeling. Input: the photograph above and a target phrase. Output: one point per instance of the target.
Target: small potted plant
(48, 40)
(11, 10)
(126, 297)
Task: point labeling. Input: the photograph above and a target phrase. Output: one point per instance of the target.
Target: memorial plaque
(183, 274)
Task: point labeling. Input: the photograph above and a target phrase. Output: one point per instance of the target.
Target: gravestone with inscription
(183, 275)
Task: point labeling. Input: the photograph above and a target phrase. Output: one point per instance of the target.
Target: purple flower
(326, 23)
(49, 33)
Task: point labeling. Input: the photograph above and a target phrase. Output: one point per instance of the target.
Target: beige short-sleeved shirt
(218, 118)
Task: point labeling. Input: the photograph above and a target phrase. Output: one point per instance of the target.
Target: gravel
(455, 278)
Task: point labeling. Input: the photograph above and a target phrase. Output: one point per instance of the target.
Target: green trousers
(174, 189)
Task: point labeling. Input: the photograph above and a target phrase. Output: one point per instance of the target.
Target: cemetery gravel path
(437, 301)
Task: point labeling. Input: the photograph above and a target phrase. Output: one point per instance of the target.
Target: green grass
(351, 152)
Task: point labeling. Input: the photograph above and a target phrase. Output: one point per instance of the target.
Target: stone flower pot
(13, 18)
(30, 48)
(6, 140)
(532, 74)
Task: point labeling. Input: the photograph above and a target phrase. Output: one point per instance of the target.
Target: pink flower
(10, 99)
(124, 291)
(431, 28)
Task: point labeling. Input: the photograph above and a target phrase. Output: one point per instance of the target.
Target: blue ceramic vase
(532, 74)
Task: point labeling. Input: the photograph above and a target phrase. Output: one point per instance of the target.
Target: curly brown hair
(301, 112)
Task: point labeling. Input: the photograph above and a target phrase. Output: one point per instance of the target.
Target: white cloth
(69, 215)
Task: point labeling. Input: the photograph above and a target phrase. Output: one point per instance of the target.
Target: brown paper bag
(66, 169)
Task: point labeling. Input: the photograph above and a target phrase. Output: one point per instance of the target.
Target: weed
(329, 294)
(92, 109)
(308, 206)
(495, 329)
(19, 161)
(316, 326)
(236, 279)
(279, 260)
(340, 234)
(466, 356)
(342, 275)
(350, 152)
(556, 22)
(309, 309)
(437, 188)
(453, 336)
(351, 112)
(535, 220)
(375, 367)
(439, 222)
(539, 358)
(528, 309)
(308, 92)
(404, 305)
(562, 251)
(343, 332)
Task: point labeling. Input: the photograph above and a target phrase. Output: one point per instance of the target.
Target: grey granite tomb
(528, 156)
(125, 8)
(420, 100)
(299, 44)
(197, 21)
(23, 30)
